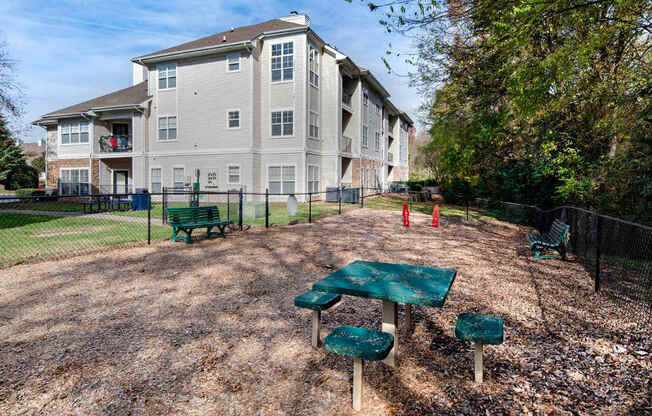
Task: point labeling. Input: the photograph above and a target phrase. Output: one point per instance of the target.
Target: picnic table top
(418, 285)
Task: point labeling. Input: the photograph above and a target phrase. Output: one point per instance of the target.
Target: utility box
(332, 194)
(350, 195)
(141, 200)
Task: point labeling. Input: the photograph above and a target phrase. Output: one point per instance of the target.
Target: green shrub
(430, 182)
(24, 192)
(456, 191)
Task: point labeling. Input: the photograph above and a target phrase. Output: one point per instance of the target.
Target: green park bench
(480, 330)
(188, 218)
(554, 240)
(361, 344)
(317, 302)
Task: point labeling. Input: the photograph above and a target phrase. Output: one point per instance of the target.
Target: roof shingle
(135, 94)
(238, 34)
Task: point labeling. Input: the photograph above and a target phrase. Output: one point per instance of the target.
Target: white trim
(228, 55)
(228, 176)
(157, 120)
(282, 165)
(271, 57)
(308, 166)
(158, 70)
(310, 136)
(173, 167)
(151, 167)
(281, 110)
(232, 110)
(70, 123)
(87, 168)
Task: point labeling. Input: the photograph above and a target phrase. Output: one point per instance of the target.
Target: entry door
(120, 129)
(120, 182)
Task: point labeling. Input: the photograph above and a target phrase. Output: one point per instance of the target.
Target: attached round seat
(480, 330)
(361, 344)
(317, 301)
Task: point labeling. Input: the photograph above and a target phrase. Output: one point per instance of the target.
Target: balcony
(347, 101)
(115, 144)
(346, 144)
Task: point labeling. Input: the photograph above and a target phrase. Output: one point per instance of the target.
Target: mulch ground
(211, 328)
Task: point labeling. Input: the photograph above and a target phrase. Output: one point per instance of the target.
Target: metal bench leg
(389, 326)
(358, 367)
(408, 317)
(316, 326)
(478, 362)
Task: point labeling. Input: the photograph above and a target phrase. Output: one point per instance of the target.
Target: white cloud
(73, 50)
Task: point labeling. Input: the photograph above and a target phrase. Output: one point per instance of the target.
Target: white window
(377, 141)
(177, 175)
(377, 108)
(365, 138)
(281, 179)
(314, 125)
(368, 177)
(233, 118)
(365, 99)
(74, 181)
(313, 178)
(314, 67)
(233, 62)
(156, 180)
(167, 128)
(74, 132)
(234, 175)
(282, 123)
(211, 178)
(283, 62)
(167, 76)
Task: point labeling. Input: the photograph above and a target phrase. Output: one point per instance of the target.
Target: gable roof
(133, 95)
(238, 34)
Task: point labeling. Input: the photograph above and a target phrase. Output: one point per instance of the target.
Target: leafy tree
(14, 171)
(544, 102)
(38, 164)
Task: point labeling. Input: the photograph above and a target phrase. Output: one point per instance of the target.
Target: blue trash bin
(141, 200)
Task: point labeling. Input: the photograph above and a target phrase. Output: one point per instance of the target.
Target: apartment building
(267, 106)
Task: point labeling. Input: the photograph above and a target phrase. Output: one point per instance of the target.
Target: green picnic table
(391, 283)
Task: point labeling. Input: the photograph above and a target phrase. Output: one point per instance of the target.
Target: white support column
(389, 326)
(316, 327)
(478, 362)
(358, 367)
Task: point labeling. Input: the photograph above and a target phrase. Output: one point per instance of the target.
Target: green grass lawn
(396, 204)
(24, 237)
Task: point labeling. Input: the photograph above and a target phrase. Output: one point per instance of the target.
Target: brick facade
(54, 167)
(365, 163)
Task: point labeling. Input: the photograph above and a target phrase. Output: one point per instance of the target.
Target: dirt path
(211, 328)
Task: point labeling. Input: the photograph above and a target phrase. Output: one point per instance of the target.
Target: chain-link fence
(617, 253)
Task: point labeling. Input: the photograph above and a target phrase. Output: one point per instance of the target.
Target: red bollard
(406, 215)
(435, 216)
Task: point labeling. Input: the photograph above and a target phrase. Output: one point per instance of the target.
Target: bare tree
(11, 95)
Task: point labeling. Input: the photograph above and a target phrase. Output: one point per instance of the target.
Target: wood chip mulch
(211, 328)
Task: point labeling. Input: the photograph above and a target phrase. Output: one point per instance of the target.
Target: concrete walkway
(123, 218)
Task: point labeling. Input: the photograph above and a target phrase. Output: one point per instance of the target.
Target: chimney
(298, 18)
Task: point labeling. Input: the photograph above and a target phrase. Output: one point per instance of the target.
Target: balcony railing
(113, 144)
(390, 156)
(346, 144)
(347, 99)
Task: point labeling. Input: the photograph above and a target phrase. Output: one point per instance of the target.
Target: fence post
(361, 197)
(228, 205)
(339, 198)
(598, 237)
(240, 210)
(266, 207)
(164, 205)
(149, 221)
(310, 207)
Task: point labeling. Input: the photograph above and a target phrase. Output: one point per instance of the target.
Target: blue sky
(68, 51)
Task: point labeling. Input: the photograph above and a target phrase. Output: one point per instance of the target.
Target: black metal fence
(617, 253)
(52, 227)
